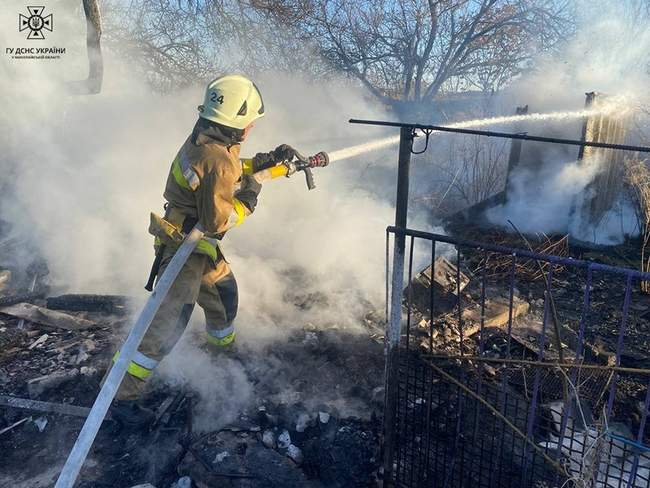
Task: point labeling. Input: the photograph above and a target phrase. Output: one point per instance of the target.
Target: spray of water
(613, 105)
(352, 151)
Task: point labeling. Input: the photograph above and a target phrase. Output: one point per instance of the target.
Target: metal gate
(555, 396)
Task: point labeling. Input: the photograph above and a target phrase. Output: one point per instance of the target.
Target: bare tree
(409, 50)
(177, 42)
(404, 51)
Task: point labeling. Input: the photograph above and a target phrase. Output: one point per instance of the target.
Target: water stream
(352, 151)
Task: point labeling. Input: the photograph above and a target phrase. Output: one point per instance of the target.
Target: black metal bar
(393, 326)
(515, 146)
(458, 298)
(506, 376)
(619, 345)
(409, 296)
(536, 382)
(574, 371)
(481, 348)
(431, 294)
(387, 290)
(585, 124)
(430, 381)
(503, 135)
(537, 364)
(428, 378)
(639, 438)
(579, 263)
(401, 203)
(411, 381)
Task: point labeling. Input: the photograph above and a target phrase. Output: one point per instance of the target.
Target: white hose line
(103, 401)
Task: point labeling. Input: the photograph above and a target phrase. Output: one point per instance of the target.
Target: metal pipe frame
(502, 135)
(394, 325)
(638, 275)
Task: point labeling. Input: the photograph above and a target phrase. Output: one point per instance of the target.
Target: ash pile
(313, 420)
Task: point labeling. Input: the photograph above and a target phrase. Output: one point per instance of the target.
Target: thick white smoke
(82, 173)
(86, 171)
(607, 55)
(546, 201)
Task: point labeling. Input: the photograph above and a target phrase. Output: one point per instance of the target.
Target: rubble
(88, 371)
(220, 457)
(248, 462)
(38, 342)
(254, 458)
(41, 423)
(496, 314)
(183, 482)
(43, 316)
(18, 298)
(47, 407)
(50, 372)
(445, 287)
(5, 277)
(109, 304)
(304, 419)
(82, 357)
(295, 454)
(42, 384)
(15, 424)
(284, 440)
(268, 439)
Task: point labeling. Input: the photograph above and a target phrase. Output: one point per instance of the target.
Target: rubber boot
(228, 350)
(132, 415)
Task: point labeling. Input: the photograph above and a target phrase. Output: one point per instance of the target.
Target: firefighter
(208, 184)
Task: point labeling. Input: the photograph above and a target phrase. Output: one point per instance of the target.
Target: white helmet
(233, 101)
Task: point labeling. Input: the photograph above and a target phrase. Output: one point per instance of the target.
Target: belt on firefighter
(186, 223)
(169, 227)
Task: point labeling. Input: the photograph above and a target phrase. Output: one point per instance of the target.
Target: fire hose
(103, 401)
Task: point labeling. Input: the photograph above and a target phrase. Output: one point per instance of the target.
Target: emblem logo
(35, 22)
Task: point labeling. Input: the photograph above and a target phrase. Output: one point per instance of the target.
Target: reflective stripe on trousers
(221, 337)
(140, 366)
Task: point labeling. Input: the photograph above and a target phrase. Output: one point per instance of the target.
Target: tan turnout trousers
(199, 281)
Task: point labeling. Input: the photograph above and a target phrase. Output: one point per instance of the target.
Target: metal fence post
(393, 327)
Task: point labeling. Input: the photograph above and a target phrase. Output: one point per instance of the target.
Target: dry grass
(637, 177)
(499, 265)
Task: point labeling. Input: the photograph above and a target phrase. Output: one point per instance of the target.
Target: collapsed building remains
(517, 364)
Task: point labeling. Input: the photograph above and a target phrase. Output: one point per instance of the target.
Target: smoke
(86, 170)
(608, 55)
(82, 173)
(544, 200)
(221, 384)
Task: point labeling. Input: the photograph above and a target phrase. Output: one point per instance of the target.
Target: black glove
(283, 152)
(248, 192)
